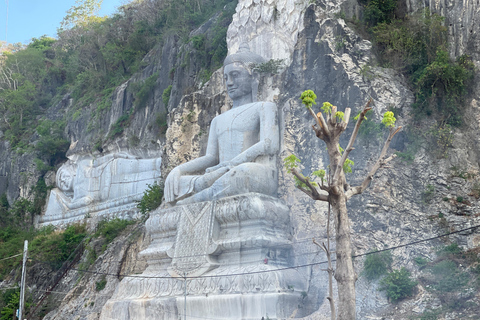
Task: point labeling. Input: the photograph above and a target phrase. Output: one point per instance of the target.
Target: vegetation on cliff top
(91, 57)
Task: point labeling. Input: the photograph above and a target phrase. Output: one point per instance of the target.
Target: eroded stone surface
(236, 269)
(102, 187)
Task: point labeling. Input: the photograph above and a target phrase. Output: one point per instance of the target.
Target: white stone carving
(248, 239)
(269, 27)
(105, 186)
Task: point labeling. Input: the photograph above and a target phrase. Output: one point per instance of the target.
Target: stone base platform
(227, 259)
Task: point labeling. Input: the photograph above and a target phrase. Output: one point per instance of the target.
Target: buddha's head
(65, 177)
(240, 76)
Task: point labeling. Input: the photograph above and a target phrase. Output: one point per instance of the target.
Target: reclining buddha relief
(104, 186)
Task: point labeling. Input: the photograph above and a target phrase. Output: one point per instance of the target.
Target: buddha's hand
(226, 164)
(172, 185)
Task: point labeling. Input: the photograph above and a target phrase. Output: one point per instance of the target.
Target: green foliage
(12, 305)
(94, 55)
(51, 145)
(441, 139)
(272, 66)
(308, 98)
(110, 229)
(117, 129)
(161, 122)
(421, 261)
(291, 162)
(166, 95)
(81, 14)
(417, 45)
(441, 86)
(378, 11)
(398, 285)
(377, 264)
(447, 276)
(347, 166)
(145, 91)
(389, 119)
(40, 196)
(152, 199)
(100, 285)
(327, 107)
(340, 115)
(56, 247)
(428, 193)
(320, 174)
(451, 249)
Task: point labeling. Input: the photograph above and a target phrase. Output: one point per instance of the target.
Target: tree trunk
(345, 273)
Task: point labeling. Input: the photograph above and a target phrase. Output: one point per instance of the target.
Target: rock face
(408, 202)
(270, 27)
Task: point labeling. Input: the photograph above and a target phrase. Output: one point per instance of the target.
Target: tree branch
(380, 163)
(351, 142)
(320, 121)
(314, 194)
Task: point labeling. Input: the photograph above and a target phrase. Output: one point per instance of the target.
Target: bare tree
(335, 190)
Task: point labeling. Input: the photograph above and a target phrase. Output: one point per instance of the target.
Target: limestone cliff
(407, 202)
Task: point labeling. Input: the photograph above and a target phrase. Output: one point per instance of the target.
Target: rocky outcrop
(410, 201)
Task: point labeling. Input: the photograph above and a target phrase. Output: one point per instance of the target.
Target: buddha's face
(238, 81)
(65, 177)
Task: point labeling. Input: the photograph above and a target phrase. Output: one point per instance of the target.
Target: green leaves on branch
(347, 166)
(389, 119)
(308, 98)
(151, 200)
(340, 115)
(327, 107)
(320, 174)
(291, 162)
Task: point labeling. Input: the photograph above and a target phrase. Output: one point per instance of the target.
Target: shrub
(166, 95)
(377, 264)
(451, 249)
(398, 285)
(145, 90)
(100, 285)
(51, 146)
(110, 229)
(421, 261)
(152, 199)
(447, 277)
(57, 247)
(417, 45)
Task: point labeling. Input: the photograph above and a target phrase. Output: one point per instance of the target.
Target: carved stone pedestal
(234, 254)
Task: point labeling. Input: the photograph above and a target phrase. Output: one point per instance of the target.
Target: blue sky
(33, 18)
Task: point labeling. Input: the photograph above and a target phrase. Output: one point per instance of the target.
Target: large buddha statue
(88, 185)
(242, 143)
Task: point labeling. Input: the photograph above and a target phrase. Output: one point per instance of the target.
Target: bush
(166, 95)
(51, 146)
(377, 264)
(447, 277)
(57, 247)
(418, 46)
(451, 249)
(145, 90)
(152, 199)
(110, 229)
(398, 285)
(100, 285)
